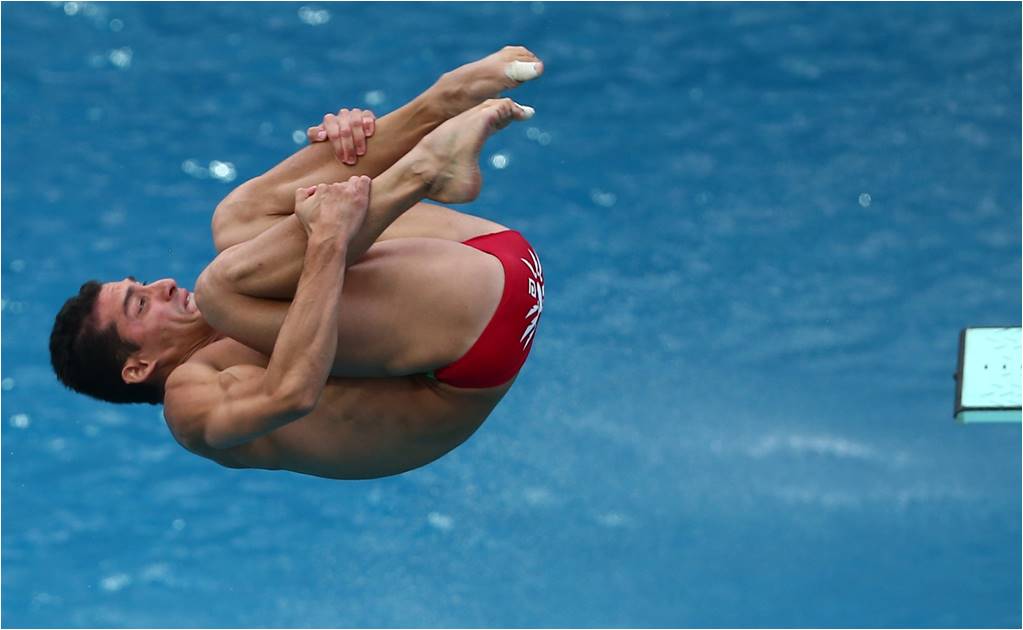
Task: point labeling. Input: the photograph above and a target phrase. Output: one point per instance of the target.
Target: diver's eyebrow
(128, 294)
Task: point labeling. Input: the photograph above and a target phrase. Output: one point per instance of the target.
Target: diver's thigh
(428, 220)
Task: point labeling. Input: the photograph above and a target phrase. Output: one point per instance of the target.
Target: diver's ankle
(443, 97)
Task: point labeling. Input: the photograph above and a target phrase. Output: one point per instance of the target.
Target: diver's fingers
(358, 132)
(344, 144)
(316, 134)
(369, 122)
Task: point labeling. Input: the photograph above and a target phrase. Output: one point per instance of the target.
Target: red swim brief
(499, 353)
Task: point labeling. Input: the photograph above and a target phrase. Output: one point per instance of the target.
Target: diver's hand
(347, 131)
(334, 210)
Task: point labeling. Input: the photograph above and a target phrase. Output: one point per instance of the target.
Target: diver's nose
(165, 288)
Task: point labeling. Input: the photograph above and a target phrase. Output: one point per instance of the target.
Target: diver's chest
(227, 353)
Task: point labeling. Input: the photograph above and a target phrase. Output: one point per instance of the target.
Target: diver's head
(118, 341)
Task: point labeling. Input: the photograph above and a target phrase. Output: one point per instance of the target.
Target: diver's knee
(235, 214)
(228, 224)
(203, 290)
(212, 289)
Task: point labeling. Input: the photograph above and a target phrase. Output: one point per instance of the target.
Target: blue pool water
(763, 226)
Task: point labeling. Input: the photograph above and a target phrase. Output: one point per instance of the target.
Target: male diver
(345, 330)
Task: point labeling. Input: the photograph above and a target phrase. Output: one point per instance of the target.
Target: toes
(523, 64)
(519, 52)
(523, 70)
(525, 111)
(506, 110)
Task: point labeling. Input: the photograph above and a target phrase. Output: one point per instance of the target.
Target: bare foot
(449, 155)
(471, 84)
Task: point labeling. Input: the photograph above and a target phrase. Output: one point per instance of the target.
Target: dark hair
(89, 360)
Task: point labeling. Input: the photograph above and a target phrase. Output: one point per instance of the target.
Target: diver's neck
(189, 351)
(186, 353)
(211, 337)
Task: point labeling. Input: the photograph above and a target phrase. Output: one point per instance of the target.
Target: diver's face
(159, 317)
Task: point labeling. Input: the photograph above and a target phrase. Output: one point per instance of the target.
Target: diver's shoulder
(182, 410)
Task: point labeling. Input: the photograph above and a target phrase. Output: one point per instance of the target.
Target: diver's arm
(233, 406)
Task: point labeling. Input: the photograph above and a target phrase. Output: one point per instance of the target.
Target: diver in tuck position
(289, 355)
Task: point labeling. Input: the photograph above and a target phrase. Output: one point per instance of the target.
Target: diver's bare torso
(361, 428)
(410, 305)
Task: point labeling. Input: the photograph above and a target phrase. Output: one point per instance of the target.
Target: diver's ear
(137, 370)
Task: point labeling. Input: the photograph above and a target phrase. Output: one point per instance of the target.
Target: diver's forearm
(304, 352)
